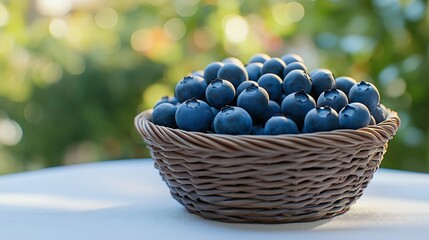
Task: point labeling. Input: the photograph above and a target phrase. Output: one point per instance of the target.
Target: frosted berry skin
(234, 73)
(210, 72)
(344, 84)
(333, 98)
(379, 113)
(273, 84)
(275, 66)
(233, 121)
(280, 125)
(254, 70)
(220, 93)
(365, 93)
(297, 105)
(294, 66)
(167, 99)
(164, 115)
(321, 119)
(272, 110)
(254, 100)
(244, 85)
(233, 60)
(354, 116)
(190, 87)
(259, 57)
(322, 79)
(291, 57)
(295, 81)
(199, 73)
(194, 115)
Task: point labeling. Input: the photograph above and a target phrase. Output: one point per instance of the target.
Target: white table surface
(128, 200)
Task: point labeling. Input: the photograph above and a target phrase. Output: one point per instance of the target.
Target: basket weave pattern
(267, 179)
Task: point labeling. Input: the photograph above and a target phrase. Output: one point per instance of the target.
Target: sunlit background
(74, 73)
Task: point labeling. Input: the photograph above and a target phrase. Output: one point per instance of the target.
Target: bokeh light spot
(141, 40)
(395, 88)
(203, 39)
(51, 72)
(287, 13)
(58, 28)
(76, 66)
(54, 7)
(414, 10)
(4, 15)
(356, 44)
(106, 18)
(186, 8)
(411, 63)
(10, 132)
(175, 29)
(236, 28)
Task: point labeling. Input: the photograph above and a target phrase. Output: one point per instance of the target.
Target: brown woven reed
(267, 179)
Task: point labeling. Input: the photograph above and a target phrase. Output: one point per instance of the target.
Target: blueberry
(259, 57)
(379, 113)
(273, 84)
(245, 85)
(297, 105)
(210, 72)
(272, 109)
(164, 115)
(232, 120)
(220, 93)
(215, 111)
(236, 74)
(199, 73)
(189, 87)
(333, 98)
(254, 70)
(365, 93)
(344, 84)
(372, 121)
(323, 79)
(295, 81)
(354, 115)
(273, 65)
(321, 119)
(257, 130)
(280, 125)
(194, 115)
(254, 100)
(167, 99)
(233, 60)
(294, 66)
(291, 57)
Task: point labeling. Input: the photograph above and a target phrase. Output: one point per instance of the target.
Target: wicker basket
(267, 179)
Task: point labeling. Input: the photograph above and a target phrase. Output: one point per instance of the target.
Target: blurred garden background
(74, 73)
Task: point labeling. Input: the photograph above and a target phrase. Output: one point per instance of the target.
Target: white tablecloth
(128, 200)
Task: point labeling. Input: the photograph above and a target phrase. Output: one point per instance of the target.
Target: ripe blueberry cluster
(268, 96)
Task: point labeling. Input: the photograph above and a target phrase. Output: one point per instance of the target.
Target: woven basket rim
(389, 126)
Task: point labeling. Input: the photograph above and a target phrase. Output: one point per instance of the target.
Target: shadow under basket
(267, 179)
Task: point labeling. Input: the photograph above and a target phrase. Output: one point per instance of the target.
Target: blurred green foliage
(73, 74)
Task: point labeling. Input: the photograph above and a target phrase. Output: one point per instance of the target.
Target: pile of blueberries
(268, 96)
